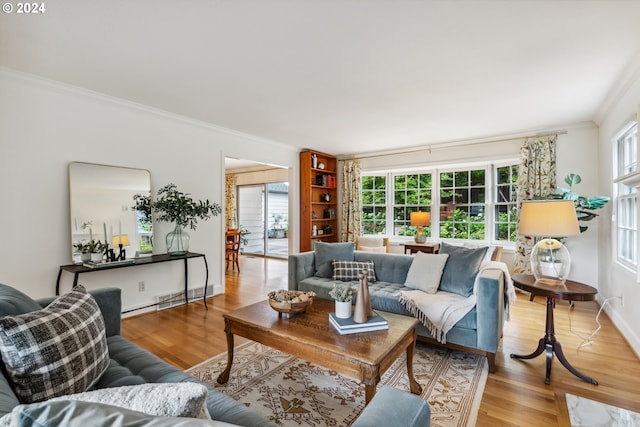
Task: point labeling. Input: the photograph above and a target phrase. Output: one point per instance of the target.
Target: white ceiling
(342, 76)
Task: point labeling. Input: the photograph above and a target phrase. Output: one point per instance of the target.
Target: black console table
(77, 269)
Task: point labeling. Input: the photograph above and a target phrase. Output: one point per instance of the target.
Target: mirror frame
(94, 189)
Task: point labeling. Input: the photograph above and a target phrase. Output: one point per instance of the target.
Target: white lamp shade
(548, 218)
(120, 239)
(550, 259)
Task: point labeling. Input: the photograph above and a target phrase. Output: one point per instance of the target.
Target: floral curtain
(536, 179)
(231, 220)
(351, 205)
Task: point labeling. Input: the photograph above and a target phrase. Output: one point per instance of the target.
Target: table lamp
(550, 259)
(420, 219)
(120, 241)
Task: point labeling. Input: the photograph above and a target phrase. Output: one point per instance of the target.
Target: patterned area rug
(292, 392)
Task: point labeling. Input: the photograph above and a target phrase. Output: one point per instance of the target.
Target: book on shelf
(348, 326)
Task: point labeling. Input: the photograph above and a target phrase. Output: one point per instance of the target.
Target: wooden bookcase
(318, 199)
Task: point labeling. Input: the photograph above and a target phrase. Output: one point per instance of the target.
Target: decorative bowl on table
(290, 302)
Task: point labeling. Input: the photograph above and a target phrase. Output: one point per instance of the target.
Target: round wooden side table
(569, 290)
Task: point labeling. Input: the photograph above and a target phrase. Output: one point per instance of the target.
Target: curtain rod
(450, 145)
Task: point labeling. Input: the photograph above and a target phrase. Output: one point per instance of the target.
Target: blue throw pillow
(327, 252)
(461, 268)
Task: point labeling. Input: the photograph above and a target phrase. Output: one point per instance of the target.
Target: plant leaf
(573, 179)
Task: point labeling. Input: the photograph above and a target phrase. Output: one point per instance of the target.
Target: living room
(51, 115)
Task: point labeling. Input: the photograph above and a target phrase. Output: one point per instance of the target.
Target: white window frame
(489, 205)
(625, 189)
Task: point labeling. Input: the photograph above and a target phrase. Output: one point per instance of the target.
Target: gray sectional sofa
(132, 365)
(479, 331)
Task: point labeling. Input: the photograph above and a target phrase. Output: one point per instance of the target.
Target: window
(627, 198)
(374, 204)
(411, 193)
(460, 200)
(506, 208)
(462, 197)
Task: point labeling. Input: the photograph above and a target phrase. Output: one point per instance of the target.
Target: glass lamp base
(550, 262)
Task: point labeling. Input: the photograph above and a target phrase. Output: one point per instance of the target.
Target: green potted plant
(244, 240)
(178, 208)
(96, 248)
(277, 232)
(83, 249)
(342, 294)
(584, 205)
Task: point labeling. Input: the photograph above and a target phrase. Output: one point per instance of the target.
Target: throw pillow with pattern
(349, 270)
(59, 350)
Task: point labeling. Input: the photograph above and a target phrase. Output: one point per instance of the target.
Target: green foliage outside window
(374, 208)
(459, 205)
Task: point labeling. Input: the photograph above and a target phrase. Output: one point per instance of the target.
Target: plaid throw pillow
(59, 350)
(349, 270)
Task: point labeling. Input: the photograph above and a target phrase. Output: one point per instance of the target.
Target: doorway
(263, 211)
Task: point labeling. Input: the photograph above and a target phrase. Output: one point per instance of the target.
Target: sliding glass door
(263, 212)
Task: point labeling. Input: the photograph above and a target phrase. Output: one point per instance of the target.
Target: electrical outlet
(141, 286)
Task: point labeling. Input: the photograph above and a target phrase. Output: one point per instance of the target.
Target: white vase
(97, 257)
(343, 309)
(85, 257)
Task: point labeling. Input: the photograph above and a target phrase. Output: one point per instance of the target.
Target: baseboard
(627, 332)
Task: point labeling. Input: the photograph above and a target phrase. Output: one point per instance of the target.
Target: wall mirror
(101, 200)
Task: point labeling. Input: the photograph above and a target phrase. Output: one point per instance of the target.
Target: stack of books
(105, 264)
(348, 326)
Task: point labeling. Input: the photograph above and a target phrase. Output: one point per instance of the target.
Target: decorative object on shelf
(363, 303)
(321, 165)
(120, 241)
(325, 197)
(342, 294)
(420, 219)
(290, 302)
(96, 250)
(314, 161)
(179, 208)
(327, 229)
(550, 259)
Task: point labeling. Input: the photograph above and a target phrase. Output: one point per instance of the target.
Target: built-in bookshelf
(318, 199)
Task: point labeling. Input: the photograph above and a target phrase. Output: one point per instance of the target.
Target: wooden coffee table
(365, 356)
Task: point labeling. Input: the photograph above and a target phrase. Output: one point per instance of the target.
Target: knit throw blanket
(439, 312)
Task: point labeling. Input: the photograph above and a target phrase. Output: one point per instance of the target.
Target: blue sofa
(478, 332)
(131, 365)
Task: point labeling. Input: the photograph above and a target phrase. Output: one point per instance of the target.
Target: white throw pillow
(370, 241)
(425, 272)
(379, 249)
(186, 399)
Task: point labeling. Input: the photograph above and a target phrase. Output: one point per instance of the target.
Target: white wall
(577, 153)
(615, 279)
(45, 125)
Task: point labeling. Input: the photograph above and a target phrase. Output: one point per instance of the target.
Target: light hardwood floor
(515, 395)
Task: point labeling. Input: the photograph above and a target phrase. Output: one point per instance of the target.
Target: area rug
(585, 412)
(293, 392)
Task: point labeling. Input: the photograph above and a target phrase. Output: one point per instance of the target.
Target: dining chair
(232, 248)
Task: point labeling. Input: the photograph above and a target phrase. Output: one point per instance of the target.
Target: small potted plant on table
(342, 294)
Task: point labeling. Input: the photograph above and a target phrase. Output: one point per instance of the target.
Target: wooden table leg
(224, 376)
(413, 384)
